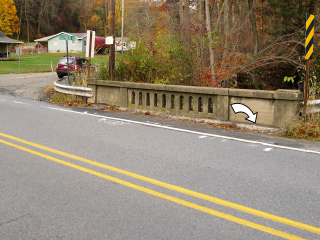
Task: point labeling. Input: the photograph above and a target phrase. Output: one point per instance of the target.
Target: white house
(56, 45)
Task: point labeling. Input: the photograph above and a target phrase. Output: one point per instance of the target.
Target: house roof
(44, 39)
(30, 44)
(5, 39)
(77, 35)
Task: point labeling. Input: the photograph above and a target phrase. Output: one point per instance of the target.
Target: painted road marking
(21, 103)
(112, 122)
(203, 136)
(162, 195)
(267, 149)
(175, 188)
(37, 75)
(225, 138)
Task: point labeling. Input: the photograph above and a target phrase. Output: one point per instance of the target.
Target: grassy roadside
(65, 99)
(34, 63)
(307, 128)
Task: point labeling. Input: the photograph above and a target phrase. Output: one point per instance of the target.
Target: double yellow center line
(168, 186)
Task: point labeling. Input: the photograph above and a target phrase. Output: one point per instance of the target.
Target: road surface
(27, 85)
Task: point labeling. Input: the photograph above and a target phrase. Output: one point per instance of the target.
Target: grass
(41, 62)
(65, 99)
(307, 128)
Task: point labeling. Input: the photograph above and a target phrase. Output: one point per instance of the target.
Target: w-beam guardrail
(313, 107)
(73, 90)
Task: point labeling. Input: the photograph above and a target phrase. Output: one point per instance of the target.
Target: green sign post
(19, 52)
(66, 38)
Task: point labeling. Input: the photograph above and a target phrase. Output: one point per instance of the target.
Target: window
(181, 107)
(164, 101)
(210, 106)
(190, 103)
(172, 101)
(156, 100)
(140, 98)
(200, 104)
(133, 98)
(148, 99)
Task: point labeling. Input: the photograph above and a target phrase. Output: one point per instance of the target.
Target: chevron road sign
(309, 36)
(309, 52)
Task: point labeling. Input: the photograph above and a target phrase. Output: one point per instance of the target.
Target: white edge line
(21, 103)
(190, 131)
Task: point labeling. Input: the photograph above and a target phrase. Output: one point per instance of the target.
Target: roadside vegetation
(65, 99)
(307, 128)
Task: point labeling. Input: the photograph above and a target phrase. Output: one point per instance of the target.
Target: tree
(211, 50)
(9, 21)
(96, 24)
(254, 27)
(289, 16)
(185, 19)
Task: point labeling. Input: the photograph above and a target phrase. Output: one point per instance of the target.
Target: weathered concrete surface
(275, 108)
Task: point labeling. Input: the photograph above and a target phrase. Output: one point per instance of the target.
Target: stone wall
(275, 108)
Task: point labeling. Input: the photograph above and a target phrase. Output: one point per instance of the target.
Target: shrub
(164, 59)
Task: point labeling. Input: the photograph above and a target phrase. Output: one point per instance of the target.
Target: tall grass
(307, 128)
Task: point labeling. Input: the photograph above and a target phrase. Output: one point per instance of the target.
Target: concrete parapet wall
(275, 108)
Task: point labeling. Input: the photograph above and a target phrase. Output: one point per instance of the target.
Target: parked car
(75, 63)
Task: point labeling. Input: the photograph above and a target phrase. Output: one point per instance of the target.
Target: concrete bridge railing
(275, 108)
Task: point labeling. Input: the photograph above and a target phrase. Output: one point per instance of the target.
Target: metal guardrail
(312, 107)
(73, 90)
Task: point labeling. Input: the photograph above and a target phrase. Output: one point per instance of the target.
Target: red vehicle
(74, 64)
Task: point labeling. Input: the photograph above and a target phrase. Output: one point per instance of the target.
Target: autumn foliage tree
(9, 22)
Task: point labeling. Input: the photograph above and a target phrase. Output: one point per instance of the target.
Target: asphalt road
(27, 85)
(73, 173)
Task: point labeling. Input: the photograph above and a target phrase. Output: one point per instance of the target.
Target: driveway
(29, 85)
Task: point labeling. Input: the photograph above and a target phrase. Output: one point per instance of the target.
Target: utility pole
(122, 27)
(112, 53)
(89, 41)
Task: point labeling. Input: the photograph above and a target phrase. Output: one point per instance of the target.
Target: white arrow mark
(239, 107)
